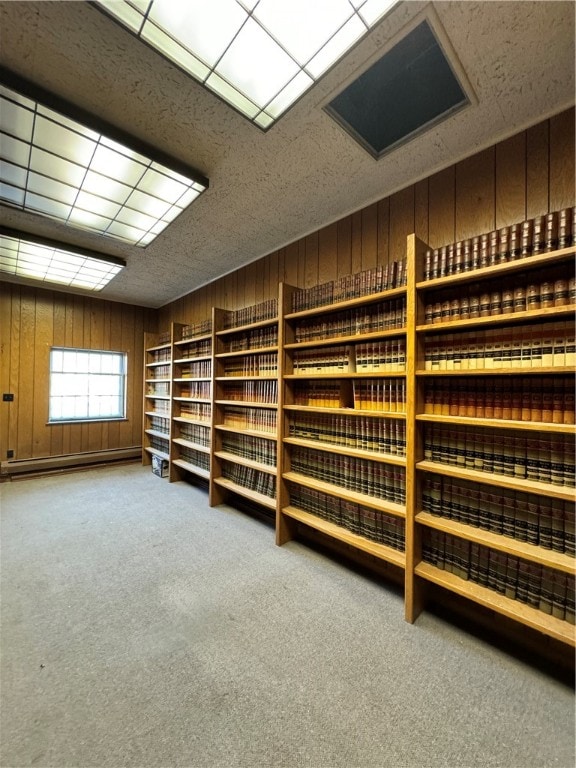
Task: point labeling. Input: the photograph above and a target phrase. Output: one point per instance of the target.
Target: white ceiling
(268, 189)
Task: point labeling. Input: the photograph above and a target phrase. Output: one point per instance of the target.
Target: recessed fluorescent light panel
(409, 89)
(258, 55)
(21, 255)
(76, 172)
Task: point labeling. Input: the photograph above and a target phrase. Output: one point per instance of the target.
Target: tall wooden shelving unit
(191, 402)
(472, 542)
(157, 398)
(244, 429)
(357, 418)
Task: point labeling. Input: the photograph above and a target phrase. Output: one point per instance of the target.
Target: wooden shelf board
(398, 510)
(350, 339)
(192, 400)
(155, 365)
(157, 413)
(560, 369)
(157, 397)
(371, 298)
(249, 432)
(234, 459)
(193, 339)
(513, 317)
(345, 450)
(156, 433)
(524, 614)
(248, 493)
(539, 426)
(243, 352)
(183, 360)
(335, 531)
(158, 381)
(199, 422)
(190, 444)
(502, 481)
(246, 404)
(346, 411)
(187, 379)
(247, 378)
(158, 347)
(519, 265)
(248, 327)
(548, 557)
(192, 468)
(156, 452)
(346, 375)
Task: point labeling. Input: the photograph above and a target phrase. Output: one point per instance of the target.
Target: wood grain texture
(33, 321)
(511, 181)
(537, 169)
(562, 166)
(441, 208)
(475, 206)
(401, 222)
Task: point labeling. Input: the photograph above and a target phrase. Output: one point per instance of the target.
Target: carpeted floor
(142, 628)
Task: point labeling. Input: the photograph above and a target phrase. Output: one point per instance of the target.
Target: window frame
(122, 396)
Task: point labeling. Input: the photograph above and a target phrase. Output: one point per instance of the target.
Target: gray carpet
(142, 628)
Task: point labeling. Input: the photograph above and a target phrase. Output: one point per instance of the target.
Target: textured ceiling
(268, 189)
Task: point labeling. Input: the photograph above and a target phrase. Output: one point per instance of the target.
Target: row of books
(386, 356)
(196, 389)
(367, 522)
(261, 482)
(196, 411)
(158, 389)
(319, 394)
(523, 346)
(378, 435)
(160, 355)
(381, 278)
(542, 457)
(201, 328)
(197, 458)
(255, 339)
(501, 300)
(164, 337)
(200, 370)
(257, 419)
(543, 588)
(196, 349)
(381, 481)
(256, 313)
(534, 398)
(263, 451)
(253, 365)
(384, 316)
(195, 433)
(252, 391)
(538, 520)
(387, 395)
(159, 444)
(542, 234)
(159, 372)
(161, 406)
(160, 424)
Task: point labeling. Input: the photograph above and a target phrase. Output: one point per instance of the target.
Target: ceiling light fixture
(260, 56)
(38, 258)
(59, 161)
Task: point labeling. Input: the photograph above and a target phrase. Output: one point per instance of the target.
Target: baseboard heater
(50, 463)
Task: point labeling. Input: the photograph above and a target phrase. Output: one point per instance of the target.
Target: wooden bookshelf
(192, 365)
(232, 459)
(156, 406)
(431, 530)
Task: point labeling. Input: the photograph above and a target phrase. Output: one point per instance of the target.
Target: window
(86, 385)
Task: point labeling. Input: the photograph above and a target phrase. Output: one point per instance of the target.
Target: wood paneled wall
(529, 174)
(32, 320)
